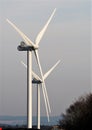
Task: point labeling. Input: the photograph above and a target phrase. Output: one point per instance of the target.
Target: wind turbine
(37, 80)
(29, 46)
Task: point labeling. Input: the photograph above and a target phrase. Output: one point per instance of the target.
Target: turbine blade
(47, 74)
(38, 61)
(25, 38)
(33, 74)
(41, 33)
(47, 97)
(45, 102)
(36, 55)
(24, 64)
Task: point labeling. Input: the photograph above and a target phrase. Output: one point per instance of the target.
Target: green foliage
(79, 115)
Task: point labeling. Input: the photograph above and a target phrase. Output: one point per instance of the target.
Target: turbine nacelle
(23, 44)
(24, 47)
(35, 81)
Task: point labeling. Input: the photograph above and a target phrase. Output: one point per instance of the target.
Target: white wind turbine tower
(37, 80)
(29, 46)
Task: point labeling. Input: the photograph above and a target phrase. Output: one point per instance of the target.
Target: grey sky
(67, 38)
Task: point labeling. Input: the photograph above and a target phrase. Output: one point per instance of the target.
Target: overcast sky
(67, 38)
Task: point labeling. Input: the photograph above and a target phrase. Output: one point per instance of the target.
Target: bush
(79, 115)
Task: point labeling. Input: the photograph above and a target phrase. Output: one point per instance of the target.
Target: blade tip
(21, 61)
(7, 20)
(55, 9)
(59, 61)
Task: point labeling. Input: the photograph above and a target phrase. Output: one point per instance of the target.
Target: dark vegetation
(8, 127)
(79, 115)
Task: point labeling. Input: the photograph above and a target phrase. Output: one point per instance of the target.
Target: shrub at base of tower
(79, 115)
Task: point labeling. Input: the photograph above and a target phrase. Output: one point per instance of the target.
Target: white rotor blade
(45, 103)
(47, 74)
(25, 38)
(40, 35)
(44, 86)
(47, 96)
(24, 64)
(33, 74)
